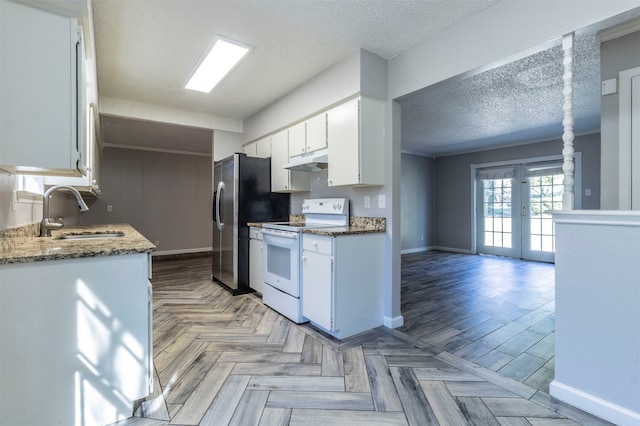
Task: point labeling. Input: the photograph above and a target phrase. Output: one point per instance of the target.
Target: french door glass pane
(497, 212)
(545, 194)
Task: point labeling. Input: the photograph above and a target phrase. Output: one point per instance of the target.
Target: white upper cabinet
(263, 147)
(317, 132)
(283, 180)
(298, 139)
(308, 136)
(251, 148)
(260, 148)
(41, 92)
(89, 184)
(355, 140)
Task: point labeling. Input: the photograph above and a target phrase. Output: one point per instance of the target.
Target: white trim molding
(151, 149)
(454, 250)
(182, 251)
(599, 407)
(625, 175)
(394, 322)
(417, 250)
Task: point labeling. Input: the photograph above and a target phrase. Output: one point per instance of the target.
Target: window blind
(543, 169)
(496, 173)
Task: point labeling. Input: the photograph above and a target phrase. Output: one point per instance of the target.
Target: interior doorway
(512, 205)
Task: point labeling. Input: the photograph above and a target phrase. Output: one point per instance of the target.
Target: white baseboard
(417, 250)
(594, 405)
(182, 251)
(394, 322)
(453, 250)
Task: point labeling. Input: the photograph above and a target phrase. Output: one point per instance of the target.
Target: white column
(567, 122)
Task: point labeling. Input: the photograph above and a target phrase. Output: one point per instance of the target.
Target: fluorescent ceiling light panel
(216, 64)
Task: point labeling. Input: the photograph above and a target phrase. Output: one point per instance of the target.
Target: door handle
(524, 210)
(219, 222)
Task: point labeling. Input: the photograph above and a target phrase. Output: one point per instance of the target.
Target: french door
(512, 210)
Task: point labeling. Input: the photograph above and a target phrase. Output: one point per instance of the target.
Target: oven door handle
(289, 235)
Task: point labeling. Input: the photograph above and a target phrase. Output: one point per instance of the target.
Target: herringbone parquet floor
(224, 360)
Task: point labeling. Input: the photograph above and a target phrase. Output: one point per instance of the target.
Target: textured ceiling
(146, 49)
(519, 101)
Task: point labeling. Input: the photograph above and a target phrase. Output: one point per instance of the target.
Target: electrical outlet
(382, 201)
(587, 192)
(367, 202)
(421, 237)
(109, 208)
(157, 243)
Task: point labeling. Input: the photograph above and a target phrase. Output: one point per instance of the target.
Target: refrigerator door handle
(219, 222)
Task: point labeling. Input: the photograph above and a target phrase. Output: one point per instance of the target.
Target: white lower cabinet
(255, 259)
(76, 340)
(342, 282)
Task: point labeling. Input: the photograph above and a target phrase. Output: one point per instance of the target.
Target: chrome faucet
(47, 223)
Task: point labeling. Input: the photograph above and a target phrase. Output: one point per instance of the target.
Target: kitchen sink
(87, 236)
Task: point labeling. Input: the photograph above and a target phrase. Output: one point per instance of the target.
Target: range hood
(311, 162)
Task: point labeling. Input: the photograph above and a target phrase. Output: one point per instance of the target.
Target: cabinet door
(317, 132)
(263, 147)
(297, 139)
(279, 157)
(343, 138)
(255, 264)
(40, 91)
(250, 149)
(317, 288)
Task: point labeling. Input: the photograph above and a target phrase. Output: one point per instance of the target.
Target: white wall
(225, 144)
(508, 30)
(616, 55)
(361, 72)
(597, 362)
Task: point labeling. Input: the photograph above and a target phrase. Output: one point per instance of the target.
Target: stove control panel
(326, 206)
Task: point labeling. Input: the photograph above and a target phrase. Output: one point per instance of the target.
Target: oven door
(281, 260)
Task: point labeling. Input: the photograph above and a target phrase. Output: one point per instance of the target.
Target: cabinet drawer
(317, 244)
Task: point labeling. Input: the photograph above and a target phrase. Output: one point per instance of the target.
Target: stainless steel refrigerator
(241, 194)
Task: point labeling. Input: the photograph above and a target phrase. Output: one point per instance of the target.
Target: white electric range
(282, 252)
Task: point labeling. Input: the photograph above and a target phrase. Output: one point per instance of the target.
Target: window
(497, 212)
(29, 189)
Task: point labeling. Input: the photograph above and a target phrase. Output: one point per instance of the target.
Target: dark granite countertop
(26, 248)
(357, 225)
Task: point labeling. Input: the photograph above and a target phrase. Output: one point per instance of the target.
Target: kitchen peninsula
(75, 325)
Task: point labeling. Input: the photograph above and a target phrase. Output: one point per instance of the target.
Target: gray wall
(615, 55)
(417, 203)
(453, 184)
(166, 197)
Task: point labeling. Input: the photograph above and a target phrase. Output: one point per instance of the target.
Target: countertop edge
(38, 249)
